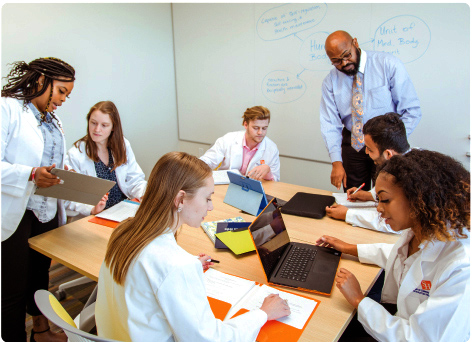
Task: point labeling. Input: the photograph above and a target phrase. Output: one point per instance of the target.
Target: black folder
(308, 205)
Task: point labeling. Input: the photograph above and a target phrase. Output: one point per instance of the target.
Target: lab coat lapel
(390, 292)
(236, 159)
(31, 119)
(415, 275)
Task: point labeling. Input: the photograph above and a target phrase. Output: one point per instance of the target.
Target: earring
(179, 209)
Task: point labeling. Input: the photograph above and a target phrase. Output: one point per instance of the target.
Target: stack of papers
(210, 227)
(341, 198)
(120, 212)
(230, 296)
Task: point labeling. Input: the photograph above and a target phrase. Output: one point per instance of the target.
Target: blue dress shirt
(386, 88)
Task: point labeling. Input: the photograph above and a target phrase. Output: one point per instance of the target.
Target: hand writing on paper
(349, 286)
(344, 247)
(259, 172)
(100, 206)
(361, 195)
(44, 178)
(338, 175)
(337, 211)
(204, 260)
(275, 307)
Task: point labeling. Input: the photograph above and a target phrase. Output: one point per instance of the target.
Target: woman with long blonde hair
(149, 288)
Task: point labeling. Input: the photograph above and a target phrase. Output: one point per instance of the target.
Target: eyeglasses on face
(339, 60)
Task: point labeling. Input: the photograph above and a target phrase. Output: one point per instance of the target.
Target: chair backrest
(55, 312)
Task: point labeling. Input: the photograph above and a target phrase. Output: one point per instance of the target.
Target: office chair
(55, 312)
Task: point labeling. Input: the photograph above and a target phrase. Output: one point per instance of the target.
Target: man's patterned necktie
(357, 135)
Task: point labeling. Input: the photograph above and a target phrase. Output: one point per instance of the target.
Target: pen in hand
(213, 260)
(362, 185)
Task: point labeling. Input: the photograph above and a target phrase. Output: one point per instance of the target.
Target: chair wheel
(60, 295)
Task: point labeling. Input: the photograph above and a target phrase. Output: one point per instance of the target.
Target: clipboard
(246, 194)
(77, 187)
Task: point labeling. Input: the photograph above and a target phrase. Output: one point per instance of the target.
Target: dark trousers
(24, 271)
(358, 165)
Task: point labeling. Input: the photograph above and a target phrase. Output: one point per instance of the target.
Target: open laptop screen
(270, 236)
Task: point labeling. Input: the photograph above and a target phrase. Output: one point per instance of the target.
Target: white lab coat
(368, 218)
(164, 299)
(441, 313)
(228, 150)
(129, 176)
(22, 149)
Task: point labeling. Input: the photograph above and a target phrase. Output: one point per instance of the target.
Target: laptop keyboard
(298, 264)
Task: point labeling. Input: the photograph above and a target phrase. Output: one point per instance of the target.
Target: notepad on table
(230, 296)
(120, 212)
(341, 198)
(239, 242)
(210, 227)
(221, 176)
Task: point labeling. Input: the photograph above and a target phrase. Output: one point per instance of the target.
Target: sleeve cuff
(260, 315)
(350, 216)
(365, 308)
(336, 156)
(269, 176)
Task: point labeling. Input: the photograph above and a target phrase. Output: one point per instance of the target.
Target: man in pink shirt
(249, 151)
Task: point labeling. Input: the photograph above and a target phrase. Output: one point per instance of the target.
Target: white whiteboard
(233, 56)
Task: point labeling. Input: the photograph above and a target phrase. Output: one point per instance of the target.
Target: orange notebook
(104, 222)
(230, 296)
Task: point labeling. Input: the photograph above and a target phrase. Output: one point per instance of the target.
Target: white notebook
(341, 198)
(221, 176)
(120, 212)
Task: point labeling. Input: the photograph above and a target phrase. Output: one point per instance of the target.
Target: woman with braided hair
(426, 292)
(32, 144)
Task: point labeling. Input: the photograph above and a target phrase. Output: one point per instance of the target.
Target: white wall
(121, 52)
(225, 52)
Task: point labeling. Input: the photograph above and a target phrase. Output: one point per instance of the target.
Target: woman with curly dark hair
(426, 195)
(32, 144)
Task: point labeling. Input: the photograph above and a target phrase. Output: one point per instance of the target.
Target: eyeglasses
(338, 61)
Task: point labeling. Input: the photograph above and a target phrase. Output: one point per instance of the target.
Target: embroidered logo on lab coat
(425, 287)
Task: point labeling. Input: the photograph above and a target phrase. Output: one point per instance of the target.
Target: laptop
(297, 265)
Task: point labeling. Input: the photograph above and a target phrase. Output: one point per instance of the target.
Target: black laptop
(297, 265)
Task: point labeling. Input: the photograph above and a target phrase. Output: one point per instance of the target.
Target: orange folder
(272, 331)
(275, 331)
(105, 222)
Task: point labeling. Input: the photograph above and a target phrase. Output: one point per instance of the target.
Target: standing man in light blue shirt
(383, 86)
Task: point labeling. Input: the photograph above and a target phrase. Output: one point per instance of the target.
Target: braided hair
(23, 79)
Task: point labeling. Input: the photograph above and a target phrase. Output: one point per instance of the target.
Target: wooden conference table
(81, 246)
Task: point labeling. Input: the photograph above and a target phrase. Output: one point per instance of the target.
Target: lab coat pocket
(380, 97)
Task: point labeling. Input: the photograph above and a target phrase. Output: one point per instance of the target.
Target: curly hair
(23, 79)
(437, 188)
